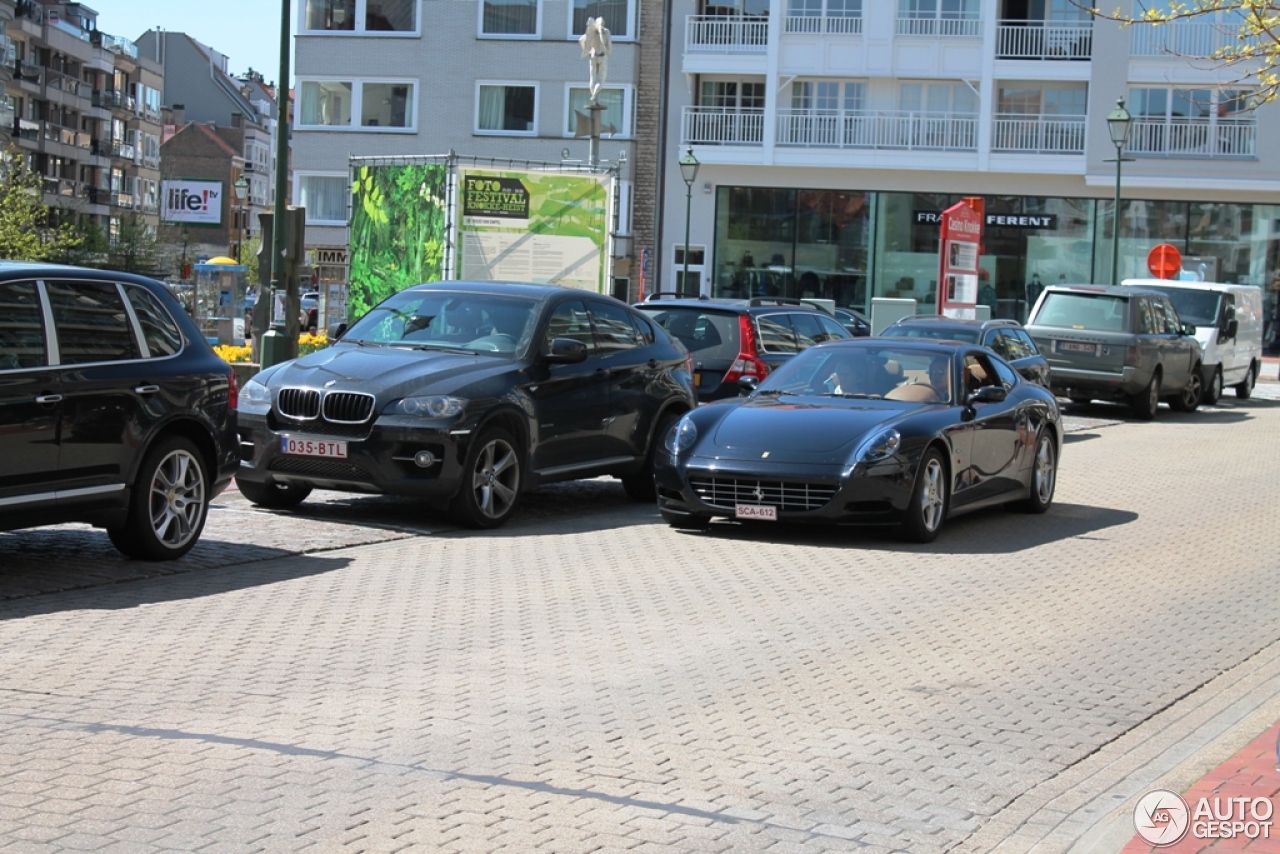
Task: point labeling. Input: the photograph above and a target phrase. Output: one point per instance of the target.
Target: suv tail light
(233, 389)
(747, 364)
(1132, 357)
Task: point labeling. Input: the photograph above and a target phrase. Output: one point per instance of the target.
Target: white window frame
(297, 195)
(359, 31)
(357, 104)
(628, 108)
(537, 25)
(631, 24)
(519, 84)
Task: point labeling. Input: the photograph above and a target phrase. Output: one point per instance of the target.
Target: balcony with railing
(887, 129)
(1181, 39)
(25, 72)
(28, 130)
(1043, 40)
(1024, 134)
(1160, 137)
(931, 26)
(722, 126)
(828, 24)
(726, 34)
(116, 44)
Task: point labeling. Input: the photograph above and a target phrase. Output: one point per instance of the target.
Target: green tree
(1247, 36)
(134, 249)
(28, 228)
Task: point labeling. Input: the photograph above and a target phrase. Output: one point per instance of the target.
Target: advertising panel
(960, 246)
(190, 201)
(534, 226)
(399, 216)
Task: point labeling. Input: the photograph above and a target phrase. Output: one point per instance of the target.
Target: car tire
(1213, 391)
(1244, 390)
(1044, 475)
(686, 521)
(1146, 401)
(274, 496)
(1188, 399)
(640, 486)
(492, 476)
(168, 504)
(930, 499)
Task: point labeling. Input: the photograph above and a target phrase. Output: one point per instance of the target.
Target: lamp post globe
(1119, 121)
(689, 172)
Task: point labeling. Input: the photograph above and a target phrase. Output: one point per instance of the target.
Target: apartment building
(830, 134)
(487, 79)
(199, 89)
(85, 109)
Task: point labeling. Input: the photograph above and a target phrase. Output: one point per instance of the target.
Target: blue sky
(246, 31)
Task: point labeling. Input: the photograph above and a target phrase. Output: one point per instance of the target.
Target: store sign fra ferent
(1045, 221)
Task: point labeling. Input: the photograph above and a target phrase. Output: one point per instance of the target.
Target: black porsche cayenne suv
(466, 394)
(114, 410)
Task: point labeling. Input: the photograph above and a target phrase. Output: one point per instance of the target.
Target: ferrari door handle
(48, 398)
(147, 389)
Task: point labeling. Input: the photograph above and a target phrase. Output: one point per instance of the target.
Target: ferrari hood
(773, 425)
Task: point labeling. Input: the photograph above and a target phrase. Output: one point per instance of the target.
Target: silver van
(1228, 321)
(1117, 343)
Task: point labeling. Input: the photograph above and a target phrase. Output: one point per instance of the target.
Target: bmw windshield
(474, 322)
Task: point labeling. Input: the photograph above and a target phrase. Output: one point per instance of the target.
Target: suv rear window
(907, 330)
(1100, 312)
(705, 334)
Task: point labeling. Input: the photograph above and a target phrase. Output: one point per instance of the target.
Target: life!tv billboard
(191, 201)
(959, 249)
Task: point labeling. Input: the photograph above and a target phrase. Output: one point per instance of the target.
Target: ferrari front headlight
(880, 446)
(681, 437)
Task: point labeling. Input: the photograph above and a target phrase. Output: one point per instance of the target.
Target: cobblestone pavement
(587, 679)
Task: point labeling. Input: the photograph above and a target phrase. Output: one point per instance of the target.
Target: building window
(332, 103)
(1193, 122)
(360, 16)
(506, 109)
(617, 16)
(509, 17)
(938, 17)
(324, 197)
(614, 119)
(824, 16)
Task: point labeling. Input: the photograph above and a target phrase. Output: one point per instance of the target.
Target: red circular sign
(1164, 261)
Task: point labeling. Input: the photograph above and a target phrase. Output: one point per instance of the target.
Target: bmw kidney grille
(337, 407)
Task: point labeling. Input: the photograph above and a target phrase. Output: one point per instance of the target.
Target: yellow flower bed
(308, 343)
(232, 353)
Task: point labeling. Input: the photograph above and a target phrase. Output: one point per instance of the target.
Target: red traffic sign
(1164, 261)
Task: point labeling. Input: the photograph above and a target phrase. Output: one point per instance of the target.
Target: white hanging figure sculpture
(595, 44)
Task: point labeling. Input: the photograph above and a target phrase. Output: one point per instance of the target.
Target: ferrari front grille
(793, 496)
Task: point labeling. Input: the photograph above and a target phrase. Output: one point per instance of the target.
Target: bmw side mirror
(566, 351)
(335, 331)
(748, 384)
(989, 394)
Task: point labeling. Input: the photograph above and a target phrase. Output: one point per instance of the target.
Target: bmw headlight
(880, 446)
(255, 398)
(433, 406)
(681, 437)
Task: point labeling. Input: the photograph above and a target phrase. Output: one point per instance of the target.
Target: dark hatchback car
(466, 394)
(113, 409)
(731, 338)
(1006, 337)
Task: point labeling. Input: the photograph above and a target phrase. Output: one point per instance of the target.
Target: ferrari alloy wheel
(1044, 475)
(274, 496)
(491, 481)
(1245, 389)
(167, 505)
(1188, 398)
(1146, 401)
(929, 500)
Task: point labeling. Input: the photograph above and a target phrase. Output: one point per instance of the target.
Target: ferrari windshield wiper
(773, 392)
(854, 396)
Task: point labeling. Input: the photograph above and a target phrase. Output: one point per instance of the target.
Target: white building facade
(830, 133)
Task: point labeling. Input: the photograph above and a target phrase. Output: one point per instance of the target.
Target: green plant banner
(398, 227)
(532, 226)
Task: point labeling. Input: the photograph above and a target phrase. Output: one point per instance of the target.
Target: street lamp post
(1118, 123)
(242, 191)
(689, 172)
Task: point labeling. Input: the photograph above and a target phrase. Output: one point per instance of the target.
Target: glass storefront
(850, 246)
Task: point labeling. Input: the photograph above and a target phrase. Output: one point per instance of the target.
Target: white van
(1228, 321)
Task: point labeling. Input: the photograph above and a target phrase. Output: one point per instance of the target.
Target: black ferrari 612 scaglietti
(868, 431)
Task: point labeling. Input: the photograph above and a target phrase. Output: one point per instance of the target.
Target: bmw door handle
(147, 389)
(46, 399)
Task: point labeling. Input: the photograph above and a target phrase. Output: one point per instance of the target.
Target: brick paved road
(587, 679)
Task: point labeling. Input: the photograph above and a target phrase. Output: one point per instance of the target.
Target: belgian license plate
(756, 511)
(1084, 347)
(303, 447)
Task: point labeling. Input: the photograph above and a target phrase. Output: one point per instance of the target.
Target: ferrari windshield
(459, 320)
(875, 371)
